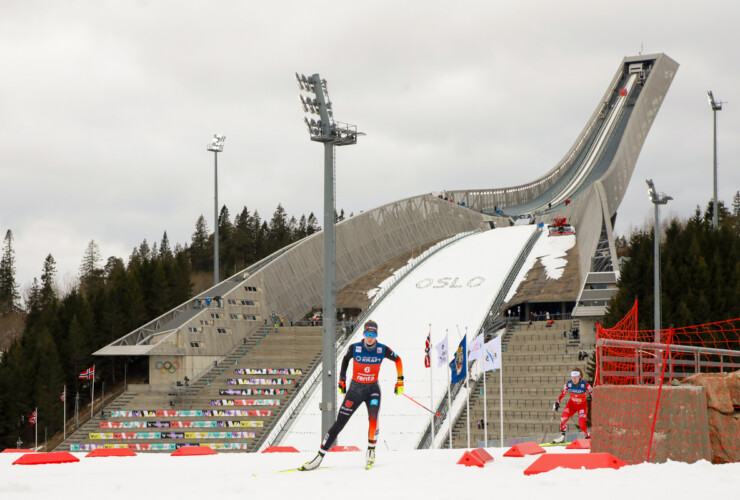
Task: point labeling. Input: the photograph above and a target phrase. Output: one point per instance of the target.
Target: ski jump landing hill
(474, 262)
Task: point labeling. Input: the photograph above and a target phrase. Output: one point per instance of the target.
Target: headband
(575, 374)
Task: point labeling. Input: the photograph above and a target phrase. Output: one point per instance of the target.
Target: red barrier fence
(671, 396)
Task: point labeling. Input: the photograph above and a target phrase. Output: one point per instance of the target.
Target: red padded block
(523, 449)
(469, 460)
(54, 457)
(579, 444)
(280, 449)
(110, 452)
(552, 461)
(17, 450)
(345, 448)
(482, 455)
(189, 451)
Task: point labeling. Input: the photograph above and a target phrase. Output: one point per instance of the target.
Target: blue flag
(459, 363)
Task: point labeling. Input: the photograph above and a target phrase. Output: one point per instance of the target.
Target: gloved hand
(556, 406)
(398, 389)
(342, 387)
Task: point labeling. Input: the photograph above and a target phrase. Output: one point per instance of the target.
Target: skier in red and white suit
(578, 390)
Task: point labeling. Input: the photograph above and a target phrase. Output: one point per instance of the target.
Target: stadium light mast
(331, 133)
(657, 199)
(217, 146)
(716, 106)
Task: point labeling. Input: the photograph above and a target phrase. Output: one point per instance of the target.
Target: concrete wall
(622, 419)
(176, 368)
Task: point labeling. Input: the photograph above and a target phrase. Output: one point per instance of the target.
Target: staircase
(537, 360)
(295, 348)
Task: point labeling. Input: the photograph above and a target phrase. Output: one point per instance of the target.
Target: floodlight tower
(217, 146)
(716, 106)
(331, 133)
(657, 199)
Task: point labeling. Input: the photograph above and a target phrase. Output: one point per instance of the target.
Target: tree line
(699, 271)
(111, 299)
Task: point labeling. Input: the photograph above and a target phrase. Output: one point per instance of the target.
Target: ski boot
(560, 438)
(369, 457)
(314, 463)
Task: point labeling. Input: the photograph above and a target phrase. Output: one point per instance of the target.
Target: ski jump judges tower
(586, 187)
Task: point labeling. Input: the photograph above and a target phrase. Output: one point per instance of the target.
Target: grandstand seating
(536, 363)
(243, 396)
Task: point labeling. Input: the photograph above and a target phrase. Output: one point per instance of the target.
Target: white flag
(493, 354)
(475, 350)
(442, 352)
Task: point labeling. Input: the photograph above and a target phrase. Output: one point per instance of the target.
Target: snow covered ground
(422, 474)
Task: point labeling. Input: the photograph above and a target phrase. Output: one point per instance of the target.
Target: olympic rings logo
(167, 367)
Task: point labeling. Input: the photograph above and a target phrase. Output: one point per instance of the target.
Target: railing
(651, 353)
(493, 320)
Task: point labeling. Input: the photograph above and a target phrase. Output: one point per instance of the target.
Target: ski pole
(548, 426)
(427, 409)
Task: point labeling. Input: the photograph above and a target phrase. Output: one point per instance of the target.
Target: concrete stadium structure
(586, 187)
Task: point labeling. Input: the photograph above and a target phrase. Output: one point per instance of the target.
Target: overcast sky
(106, 107)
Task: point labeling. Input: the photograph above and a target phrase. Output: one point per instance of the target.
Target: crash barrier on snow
(523, 449)
(280, 449)
(54, 457)
(191, 451)
(673, 395)
(552, 461)
(478, 458)
(579, 444)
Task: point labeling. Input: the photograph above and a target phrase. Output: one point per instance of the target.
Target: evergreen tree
(47, 294)
(301, 230)
(91, 274)
(312, 225)
(226, 249)
(736, 204)
(279, 233)
(200, 254)
(165, 252)
(243, 238)
(9, 296)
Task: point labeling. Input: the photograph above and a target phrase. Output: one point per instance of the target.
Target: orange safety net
(675, 395)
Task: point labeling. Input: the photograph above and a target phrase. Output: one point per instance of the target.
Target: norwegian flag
(64, 394)
(88, 374)
(33, 418)
(427, 349)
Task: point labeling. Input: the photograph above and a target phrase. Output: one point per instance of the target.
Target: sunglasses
(370, 334)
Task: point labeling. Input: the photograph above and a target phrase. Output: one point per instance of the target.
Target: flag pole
(467, 387)
(501, 399)
(431, 385)
(64, 423)
(92, 393)
(485, 403)
(449, 405)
